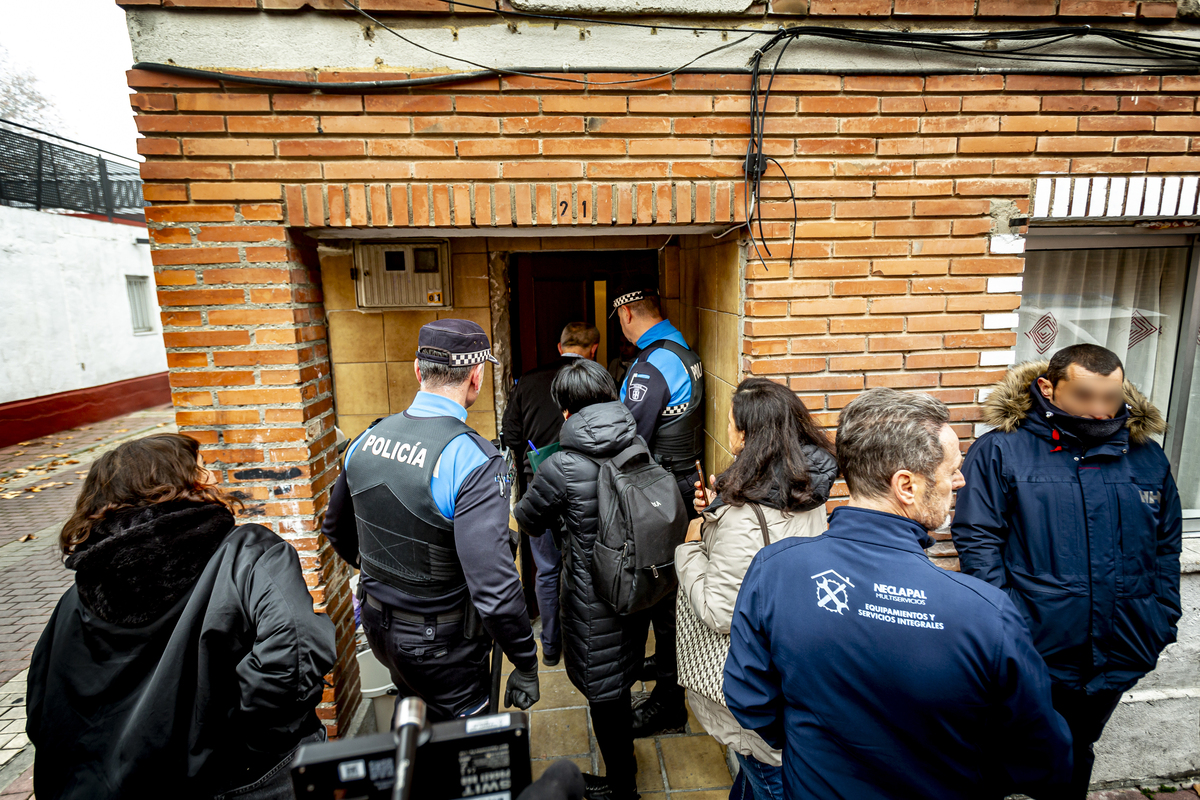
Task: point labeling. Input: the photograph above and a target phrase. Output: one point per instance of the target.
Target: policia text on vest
(421, 507)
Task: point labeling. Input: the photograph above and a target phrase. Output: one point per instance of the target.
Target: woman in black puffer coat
(602, 649)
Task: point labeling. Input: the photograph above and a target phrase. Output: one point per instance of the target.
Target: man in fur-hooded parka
(1078, 519)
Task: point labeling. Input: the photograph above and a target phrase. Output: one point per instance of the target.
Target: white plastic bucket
(377, 686)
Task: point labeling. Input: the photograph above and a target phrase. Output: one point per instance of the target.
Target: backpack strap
(762, 523)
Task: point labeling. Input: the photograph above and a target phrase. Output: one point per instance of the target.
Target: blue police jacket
(882, 675)
(470, 487)
(1085, 541)
(663, 379)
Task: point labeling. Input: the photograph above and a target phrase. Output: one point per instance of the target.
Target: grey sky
(79, 51)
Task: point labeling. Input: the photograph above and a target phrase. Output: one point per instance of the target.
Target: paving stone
(584, 764)
(694, 762)
(649, 774)
(560, 732)
(21, 788)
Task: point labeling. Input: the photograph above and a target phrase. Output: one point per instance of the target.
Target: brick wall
(893, 282)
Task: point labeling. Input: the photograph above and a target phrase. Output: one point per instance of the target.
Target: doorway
(551, 289)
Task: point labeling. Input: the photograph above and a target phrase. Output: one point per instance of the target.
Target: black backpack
(642, 521)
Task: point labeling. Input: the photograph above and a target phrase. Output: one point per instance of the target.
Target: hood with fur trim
(1009, 403)
(140, 561)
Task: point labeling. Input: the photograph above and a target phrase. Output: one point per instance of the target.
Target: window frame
(137, 290)
(1086, 237)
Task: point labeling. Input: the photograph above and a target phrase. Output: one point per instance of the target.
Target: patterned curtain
(1128, 300)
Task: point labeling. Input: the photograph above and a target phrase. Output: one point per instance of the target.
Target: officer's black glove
(522, 690)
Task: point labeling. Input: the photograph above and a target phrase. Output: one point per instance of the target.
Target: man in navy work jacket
(878, 673)
(532, 417)
(422, 509)
(1070, 508)
(664, 390)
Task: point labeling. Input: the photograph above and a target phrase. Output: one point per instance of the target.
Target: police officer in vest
(664, 390)
(422, 509)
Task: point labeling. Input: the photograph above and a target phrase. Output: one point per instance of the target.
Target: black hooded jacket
(602, 653)
(186, 660)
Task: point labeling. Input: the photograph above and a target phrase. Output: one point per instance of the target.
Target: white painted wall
(304, 40)
(66, 322)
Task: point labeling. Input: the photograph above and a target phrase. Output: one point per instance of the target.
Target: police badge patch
(637, 391)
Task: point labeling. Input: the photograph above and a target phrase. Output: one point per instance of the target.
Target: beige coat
(711, 572)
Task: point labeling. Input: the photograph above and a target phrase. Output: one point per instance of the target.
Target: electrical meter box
(412, 274)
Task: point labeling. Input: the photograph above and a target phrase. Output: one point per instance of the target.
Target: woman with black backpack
(601, 648)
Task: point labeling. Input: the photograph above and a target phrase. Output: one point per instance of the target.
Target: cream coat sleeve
(711, 571)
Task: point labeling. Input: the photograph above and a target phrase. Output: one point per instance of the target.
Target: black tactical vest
(403, 539)
(678, 440)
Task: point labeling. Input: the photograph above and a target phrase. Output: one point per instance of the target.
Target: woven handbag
(701, 651)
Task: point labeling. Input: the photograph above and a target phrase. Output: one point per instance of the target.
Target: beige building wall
(373, 351)
(707, 305)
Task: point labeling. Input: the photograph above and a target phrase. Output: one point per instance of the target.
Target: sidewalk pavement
(680, 766)
(39, 482)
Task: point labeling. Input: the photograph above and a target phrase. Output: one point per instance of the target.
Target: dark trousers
(276, 784)
(431, 661)
(1086, 715)
(612, 721)
(662, 616)
(549, 568)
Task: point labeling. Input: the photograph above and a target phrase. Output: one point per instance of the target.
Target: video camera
(484, 758)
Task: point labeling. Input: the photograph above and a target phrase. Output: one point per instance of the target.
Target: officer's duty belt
(441, 619)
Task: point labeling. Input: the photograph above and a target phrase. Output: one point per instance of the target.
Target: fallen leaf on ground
(68, 483)
(71, 461)
(11, 495)
(121, 430)
(68, 437)
(48, 456)
(19, 453)
(24, 444)
(27, 537)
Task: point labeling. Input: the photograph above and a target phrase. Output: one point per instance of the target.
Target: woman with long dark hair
(186, 659)
(775, 488)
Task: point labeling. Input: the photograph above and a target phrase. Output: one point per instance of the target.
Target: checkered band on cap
(441, 356)
(470, 359)
(629, 297)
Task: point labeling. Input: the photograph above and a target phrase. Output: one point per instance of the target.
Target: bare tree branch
(22, 100)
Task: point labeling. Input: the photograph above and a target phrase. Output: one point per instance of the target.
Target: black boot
(649, 670)
(597, 787)
(659, 715)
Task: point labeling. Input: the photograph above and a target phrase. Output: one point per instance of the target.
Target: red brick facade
(898, 180)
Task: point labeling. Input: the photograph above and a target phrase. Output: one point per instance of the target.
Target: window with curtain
(1129, 300)
(1188, 475)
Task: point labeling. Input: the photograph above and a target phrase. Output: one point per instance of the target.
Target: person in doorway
(421, 507)
(602, 649)
(776, 488)
(187, 658)
(1070, 507)
(532, 418)
(876, 672)
(664, 390)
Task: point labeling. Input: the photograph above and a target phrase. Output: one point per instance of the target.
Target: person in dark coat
(877, 673)
(186, 660)
(533, 418)
(603, 650)
(1071, 509)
